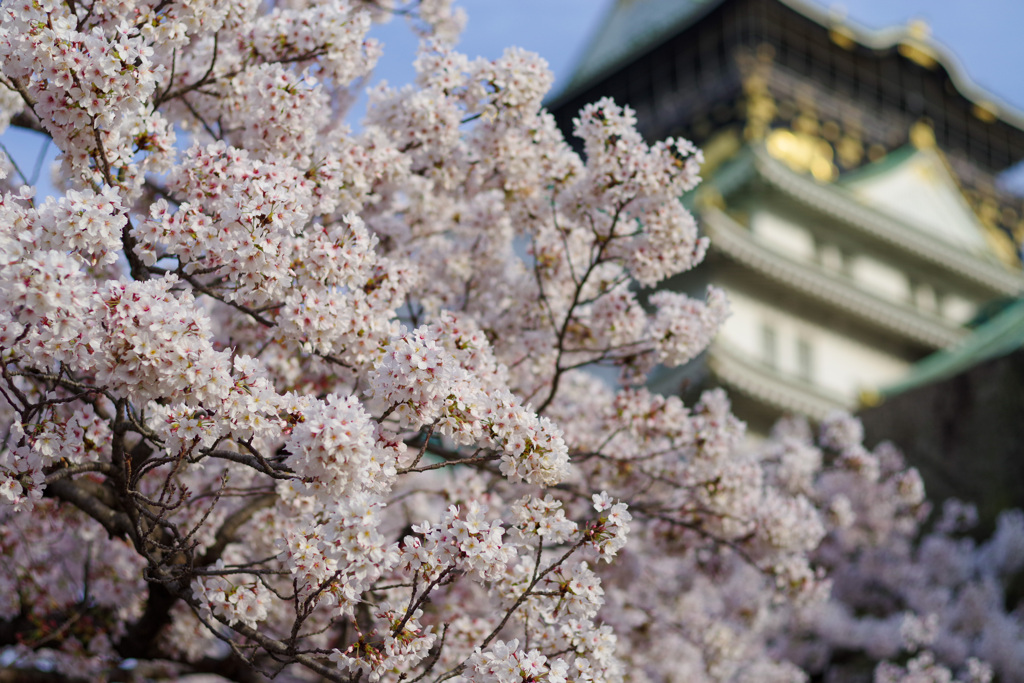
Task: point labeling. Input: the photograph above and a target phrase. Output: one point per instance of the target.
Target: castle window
(805, 360)
(831, 257)
(880, 278)
(925, 297)
(769, 346)
(957, 308)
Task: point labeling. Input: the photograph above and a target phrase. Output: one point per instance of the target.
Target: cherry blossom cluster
(77, 438)
(683, 327)
(636, 180)
(334, 451)
(55, 559)
(437, 19)
(471, 544)
(222, 223)
(241, 601)
(609, 533)
(248, 218)
(403, 647)
(937, 597)
(543, 517)
(159, 345)
(331, 35)
(334, 558)
(507, 663)
(445, 375)
(580, 301)
(85, 223)
(283, 399)
(89, 86)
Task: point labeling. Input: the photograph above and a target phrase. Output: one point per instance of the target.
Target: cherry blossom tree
(281, 399)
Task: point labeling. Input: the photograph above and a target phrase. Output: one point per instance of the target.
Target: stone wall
(965, 435)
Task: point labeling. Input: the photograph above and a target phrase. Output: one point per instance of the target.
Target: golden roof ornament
(915, 46)
(803, 153)
(922, 135)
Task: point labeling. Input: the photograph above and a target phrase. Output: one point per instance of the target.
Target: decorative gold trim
(850, 151)
(869, 398)
(995, 219)
(915, 48)
(988, 211)
(722, 146)
(842, 37)
(760, 104)
(918, 53)
(985, 111)
(922, 135)
(804, 153)
(918, 29)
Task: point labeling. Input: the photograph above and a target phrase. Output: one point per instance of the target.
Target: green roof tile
(632, 27)
(997, 337)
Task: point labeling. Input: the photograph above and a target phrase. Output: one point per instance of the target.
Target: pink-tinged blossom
(243, 602)
(334, 451)
(86, 223)
(683, 327)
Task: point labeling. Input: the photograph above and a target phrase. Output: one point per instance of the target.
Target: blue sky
(987, 36)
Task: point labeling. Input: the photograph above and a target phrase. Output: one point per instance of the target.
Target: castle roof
(994, 338)
(635, 27)
(630, 29)
(680, 57)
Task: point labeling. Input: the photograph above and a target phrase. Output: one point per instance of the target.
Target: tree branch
(116, 523)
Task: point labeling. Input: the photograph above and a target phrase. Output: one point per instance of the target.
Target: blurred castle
(849, 191)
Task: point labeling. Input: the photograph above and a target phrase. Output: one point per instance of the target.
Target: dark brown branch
(471, 460)
(140, 638)
(29, 121)
(280, 649)
(136, 267)
(83, 495)
(72, 470)
(257, 463)
(210, 293)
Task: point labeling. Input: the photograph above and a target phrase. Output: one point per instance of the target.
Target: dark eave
(681, 70)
